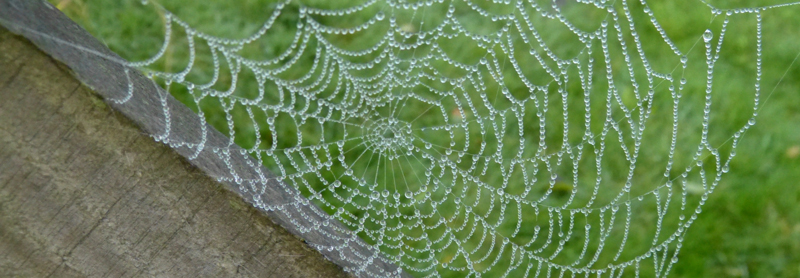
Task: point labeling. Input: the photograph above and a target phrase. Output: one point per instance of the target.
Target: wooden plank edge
(169, 121)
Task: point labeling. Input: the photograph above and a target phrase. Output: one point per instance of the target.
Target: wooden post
(84, 192)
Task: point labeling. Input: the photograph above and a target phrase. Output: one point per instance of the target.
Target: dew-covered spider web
(517, 138)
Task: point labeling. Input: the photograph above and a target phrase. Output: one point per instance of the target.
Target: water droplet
(409, 194)
(380, 16)
(708, 35)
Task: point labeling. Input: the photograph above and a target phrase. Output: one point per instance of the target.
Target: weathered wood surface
(83, 192)
(147, 106)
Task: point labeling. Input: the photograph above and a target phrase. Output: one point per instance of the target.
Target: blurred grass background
(749, 227)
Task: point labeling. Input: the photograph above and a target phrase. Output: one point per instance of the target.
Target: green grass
(750, 225)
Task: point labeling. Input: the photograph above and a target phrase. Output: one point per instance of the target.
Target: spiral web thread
(489, 165)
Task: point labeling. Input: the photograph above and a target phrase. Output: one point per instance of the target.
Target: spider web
(475, 138)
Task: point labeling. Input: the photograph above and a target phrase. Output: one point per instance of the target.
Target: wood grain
(85, 193)
(161, 116)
